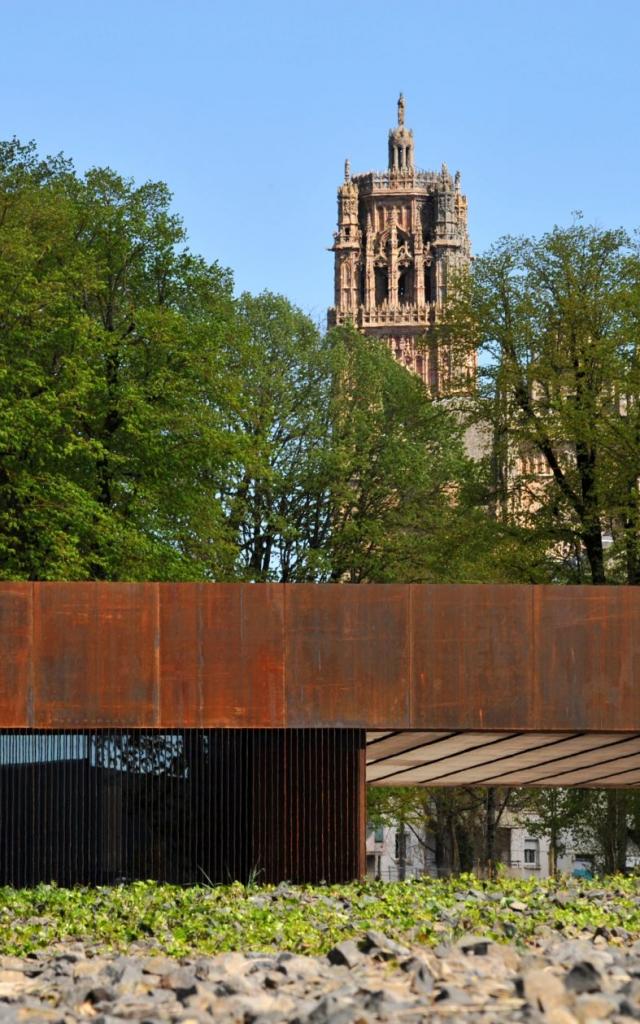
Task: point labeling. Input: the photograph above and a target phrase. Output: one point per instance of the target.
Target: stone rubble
(554, 981)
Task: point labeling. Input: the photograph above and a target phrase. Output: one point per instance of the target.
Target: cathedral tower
(400, 233)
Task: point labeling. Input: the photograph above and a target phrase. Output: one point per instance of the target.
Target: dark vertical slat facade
(187, 806)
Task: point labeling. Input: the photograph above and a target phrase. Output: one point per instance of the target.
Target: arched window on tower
(382, 285)
(428, 291)
(434, 376)
(405, 287)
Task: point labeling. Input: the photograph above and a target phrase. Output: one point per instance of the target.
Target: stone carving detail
(400, 231)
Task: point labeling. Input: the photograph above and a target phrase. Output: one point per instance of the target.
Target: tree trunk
(402, 851)
(443, 847)
(455, 846)
(591, 525)
(615, 846)
(592, 540)
(490, 833)
(553, 853)
(632, 536)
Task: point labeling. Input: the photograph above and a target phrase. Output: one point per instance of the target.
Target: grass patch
(312, 919)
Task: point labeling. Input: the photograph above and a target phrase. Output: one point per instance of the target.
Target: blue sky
(248, 110)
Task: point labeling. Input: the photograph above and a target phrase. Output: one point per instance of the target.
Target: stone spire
(401, 232)
(401, 143)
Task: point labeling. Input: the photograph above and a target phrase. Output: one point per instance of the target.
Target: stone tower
(400, 234)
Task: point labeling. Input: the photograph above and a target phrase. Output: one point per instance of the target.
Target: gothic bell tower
(400, 234)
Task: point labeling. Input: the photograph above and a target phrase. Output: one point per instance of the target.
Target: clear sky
(247, 110)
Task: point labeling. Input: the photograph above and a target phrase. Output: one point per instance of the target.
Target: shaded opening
(405, 287)
(382, 285)
(428, 290)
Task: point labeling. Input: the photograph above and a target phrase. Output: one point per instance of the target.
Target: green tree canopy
(405, 494)
(111, 435)
(556, 322)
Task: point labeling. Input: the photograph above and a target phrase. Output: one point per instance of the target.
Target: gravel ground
(557, 981)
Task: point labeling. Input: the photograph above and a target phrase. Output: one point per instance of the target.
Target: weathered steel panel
(95, 657)
(15, 654)
(180, 657)
(382, 657)
(347, 656)
(221, 655)
(472, 653)
(65, 653)
(586, 657)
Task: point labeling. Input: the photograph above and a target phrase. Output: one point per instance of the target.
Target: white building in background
(394, 853)
(529, 855)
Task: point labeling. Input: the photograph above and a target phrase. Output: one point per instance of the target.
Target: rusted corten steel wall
(87, 655)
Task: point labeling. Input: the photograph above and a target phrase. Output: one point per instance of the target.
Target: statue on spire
(401, 111)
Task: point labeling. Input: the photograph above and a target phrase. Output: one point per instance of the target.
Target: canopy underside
(464, 758)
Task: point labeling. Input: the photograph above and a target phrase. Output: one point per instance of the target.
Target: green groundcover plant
(311, 919)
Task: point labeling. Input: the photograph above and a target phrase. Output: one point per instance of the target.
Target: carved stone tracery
(399, 233)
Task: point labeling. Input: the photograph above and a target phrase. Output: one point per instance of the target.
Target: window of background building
(403, 851)
(531, 853)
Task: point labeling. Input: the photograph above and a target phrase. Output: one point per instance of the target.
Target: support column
(308, 805)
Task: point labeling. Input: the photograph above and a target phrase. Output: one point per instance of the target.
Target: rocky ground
(553, 980)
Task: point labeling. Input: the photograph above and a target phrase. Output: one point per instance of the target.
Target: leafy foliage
(307, 919)
(403, 490)
(556, 322)
(110, 431)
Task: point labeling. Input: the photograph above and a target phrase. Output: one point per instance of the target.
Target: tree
(554, 321)
(276, 493)
(604, 820)
(346, 470)
(456, 825)
(152, 427)
(403, 490)
(112, 443)
(550, 813)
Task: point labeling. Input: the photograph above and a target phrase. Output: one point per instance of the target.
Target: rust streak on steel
(302, 655)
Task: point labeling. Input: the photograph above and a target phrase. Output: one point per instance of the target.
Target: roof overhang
(532, 759)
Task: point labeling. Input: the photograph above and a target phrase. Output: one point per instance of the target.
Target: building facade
(394, 854)
(401, 234)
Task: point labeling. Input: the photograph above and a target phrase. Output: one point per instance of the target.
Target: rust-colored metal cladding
(472, 655)
(257, 656)
(347, 655)
(587, 657)
(221, 655)
(16, 649)
(95, 654)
